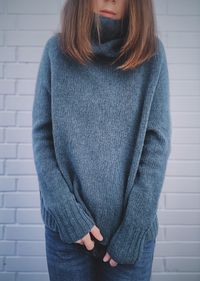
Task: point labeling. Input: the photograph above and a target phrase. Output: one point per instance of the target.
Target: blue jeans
(74, 262)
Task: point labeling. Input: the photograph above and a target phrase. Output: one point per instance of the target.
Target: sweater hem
(132, 249)
(50, 222)
(153, 230)
(47, 218)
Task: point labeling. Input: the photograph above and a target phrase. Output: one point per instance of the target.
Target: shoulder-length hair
(140, 42)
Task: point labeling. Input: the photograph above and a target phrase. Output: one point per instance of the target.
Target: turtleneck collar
(112, 33)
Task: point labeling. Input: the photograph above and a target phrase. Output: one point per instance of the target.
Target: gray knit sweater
(101, 141)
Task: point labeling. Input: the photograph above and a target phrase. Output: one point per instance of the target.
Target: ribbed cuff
(72, 222)
(127, 244)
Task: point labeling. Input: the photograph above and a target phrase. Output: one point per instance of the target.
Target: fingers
(89, 244)
(96, 233)
(87, 241)
(113, 263)
(107, 257)
(80, 242)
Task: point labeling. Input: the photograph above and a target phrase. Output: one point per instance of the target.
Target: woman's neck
(112, 33)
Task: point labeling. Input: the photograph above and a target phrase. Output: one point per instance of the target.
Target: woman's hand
(87, 241)
(107, 257)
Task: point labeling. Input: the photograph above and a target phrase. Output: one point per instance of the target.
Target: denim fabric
(73, 262)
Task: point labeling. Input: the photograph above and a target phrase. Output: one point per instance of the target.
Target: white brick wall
(25, 25)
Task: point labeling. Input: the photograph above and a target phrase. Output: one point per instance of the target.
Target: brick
(183, 185)
(183, 55)
(8, 150)
(26, 264)
(186, 120)
(1, 37)
(21, 70)
(183, 233)
(160, 7)
(33, 276)
(27, 183)
(22, 199)
(7, 54)
(184, 71)
(20, 167)
(7, 183)
(7, 216)
(183, 201)
(179, 23)
(183, 39)
(7, 118)
(24, 233)
(27, 216)
(18, 135)
(177, 249)
(25, 151)
(174, 217)
(24, 118)
(182, 264)
(7, 86)
(7, 248)
(38, 22)
(8, 22)
(186, 135)
(32, 248)
(32, 7)
(183, 168)
(27, 38)
(184, 88)
(29, 54)
(1, 134)
(184, 7)
(7, 276)
(14, 102)
(25, 87)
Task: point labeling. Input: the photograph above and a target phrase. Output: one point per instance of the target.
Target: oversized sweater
(101, 141)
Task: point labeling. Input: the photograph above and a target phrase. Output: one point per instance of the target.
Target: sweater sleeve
(126, 245)
(72, 221)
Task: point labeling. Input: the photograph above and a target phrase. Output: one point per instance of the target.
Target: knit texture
(101, 141)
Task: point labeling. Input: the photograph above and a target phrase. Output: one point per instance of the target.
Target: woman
(101, 140)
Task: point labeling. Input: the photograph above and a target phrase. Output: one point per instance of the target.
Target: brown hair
(140, 42)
